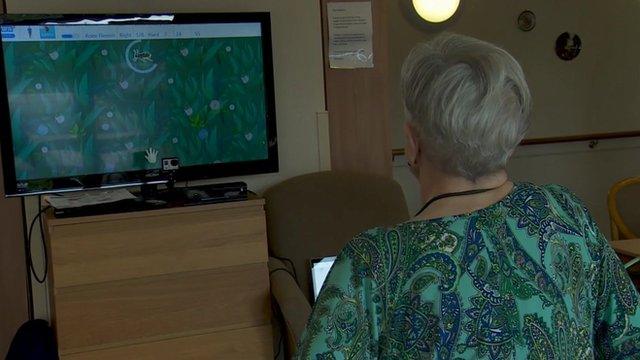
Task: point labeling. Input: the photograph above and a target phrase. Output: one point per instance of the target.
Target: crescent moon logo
(130, 64)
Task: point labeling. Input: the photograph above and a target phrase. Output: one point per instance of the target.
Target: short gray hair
(470, 101)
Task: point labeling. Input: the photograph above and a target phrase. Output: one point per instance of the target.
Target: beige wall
(594, 93)
(299, 79)
(13, 271)
(597, 92)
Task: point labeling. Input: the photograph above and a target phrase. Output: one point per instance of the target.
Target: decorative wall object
(568, 46)
(527, 20)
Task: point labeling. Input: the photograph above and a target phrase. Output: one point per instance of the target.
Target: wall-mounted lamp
(436, 11)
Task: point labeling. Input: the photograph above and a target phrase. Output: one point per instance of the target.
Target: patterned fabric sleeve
(344, 323)
(617, 321)
(617, 317)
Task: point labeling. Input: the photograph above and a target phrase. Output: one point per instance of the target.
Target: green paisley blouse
(530, 277)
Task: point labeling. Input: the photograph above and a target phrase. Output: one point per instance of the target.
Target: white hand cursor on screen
(152, 155)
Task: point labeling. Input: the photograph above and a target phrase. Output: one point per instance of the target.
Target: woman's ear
(412, 143)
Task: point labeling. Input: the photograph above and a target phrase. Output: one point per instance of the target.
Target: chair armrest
(293, 304)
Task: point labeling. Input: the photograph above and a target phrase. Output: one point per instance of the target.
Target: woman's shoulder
(552, 191)
(368, 241)
(399, 236)
(547, 208)
(557, 197)
(384, 248)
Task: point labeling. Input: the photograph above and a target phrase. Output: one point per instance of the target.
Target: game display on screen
(117, 98)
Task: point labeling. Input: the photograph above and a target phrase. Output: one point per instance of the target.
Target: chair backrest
(624, 208)
(315, 215)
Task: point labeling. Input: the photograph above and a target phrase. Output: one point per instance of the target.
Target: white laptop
(319, 271)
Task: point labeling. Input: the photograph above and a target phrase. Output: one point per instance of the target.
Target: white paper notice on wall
(350, 35)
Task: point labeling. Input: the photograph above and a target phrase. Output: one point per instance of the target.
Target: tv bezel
(142, 177)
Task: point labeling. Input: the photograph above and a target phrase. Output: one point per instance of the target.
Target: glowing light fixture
(436, 11)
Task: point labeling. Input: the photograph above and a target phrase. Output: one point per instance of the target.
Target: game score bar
(127, 32)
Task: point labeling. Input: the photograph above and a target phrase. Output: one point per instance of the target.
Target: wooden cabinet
(180, 283)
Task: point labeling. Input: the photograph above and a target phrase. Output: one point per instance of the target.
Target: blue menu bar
(55, 32)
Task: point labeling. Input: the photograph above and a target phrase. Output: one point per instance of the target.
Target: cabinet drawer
(107, 248)
(243, 344)
(145, 309)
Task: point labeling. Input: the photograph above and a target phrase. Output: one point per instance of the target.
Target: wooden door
(358, 103)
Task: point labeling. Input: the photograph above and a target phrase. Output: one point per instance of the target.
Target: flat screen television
(98, 101)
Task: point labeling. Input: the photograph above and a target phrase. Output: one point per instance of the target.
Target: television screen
(99, 101)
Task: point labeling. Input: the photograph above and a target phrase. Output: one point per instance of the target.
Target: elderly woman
(487, 269)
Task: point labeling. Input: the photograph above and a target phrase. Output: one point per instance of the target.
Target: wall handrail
(558, 139)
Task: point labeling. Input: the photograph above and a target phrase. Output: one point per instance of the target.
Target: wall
(597, 92)
(569, 97)
(13, 272)
(298, 67)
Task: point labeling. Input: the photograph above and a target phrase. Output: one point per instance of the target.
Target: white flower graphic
(232, 107)
(228, 48)
(42, 130)
(54, 55)
(109, 114)
(245, 79)
(38, 86)
(104, 52)
(60, 119)
(170, 81)
(214, 105)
